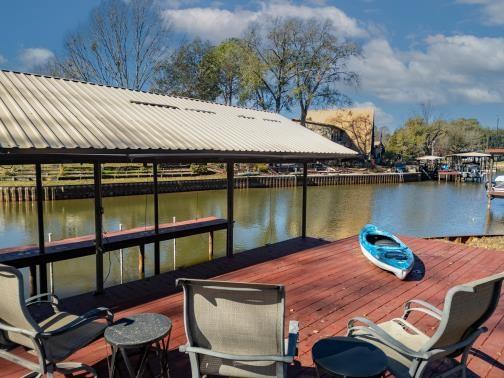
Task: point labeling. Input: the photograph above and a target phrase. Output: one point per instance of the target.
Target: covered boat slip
(327, 283)
(51, 120)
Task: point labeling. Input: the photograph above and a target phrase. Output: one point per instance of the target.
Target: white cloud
(175, 3)
(382, 118)
(440, 69)
(3, 59)
(31, 58)
(456, 69)
(216, 24)
(492, 10)
(209, 23)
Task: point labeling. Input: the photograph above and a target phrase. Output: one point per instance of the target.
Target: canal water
(262, 216)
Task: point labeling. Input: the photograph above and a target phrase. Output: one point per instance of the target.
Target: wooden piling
(210, 245)
(141, 261)
(304, 200)
(40, 222)
(157, 263)
(230, 208)
(98, 227)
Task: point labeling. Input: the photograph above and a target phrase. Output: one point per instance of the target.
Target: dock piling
(121, 260)
(40, 222)
(210, 245)
(141, 261)
(174, 248)
(98, 228)
(230, 208)
(156, 218)
(305, 187)
(51, 268)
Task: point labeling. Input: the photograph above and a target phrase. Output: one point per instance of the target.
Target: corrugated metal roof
(52, 114)
(471, 154)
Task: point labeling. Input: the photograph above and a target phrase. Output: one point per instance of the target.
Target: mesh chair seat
(413, 338)
(59, 347)
(230, 368)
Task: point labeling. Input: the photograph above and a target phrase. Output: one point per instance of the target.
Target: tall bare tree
(121, 45)
(434, 126)
(321, 66)
(272, 42)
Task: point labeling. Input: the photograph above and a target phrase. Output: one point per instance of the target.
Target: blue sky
(446, 52)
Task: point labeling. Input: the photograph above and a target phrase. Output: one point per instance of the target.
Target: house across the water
(351, 127)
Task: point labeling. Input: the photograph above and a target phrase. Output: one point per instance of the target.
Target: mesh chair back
(13, 311)
(466, 308)
(235, 318)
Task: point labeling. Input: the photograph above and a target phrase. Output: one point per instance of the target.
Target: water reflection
(262, 216)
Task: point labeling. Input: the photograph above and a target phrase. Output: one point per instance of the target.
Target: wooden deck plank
(326, 284)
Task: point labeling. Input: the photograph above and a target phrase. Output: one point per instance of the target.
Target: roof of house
(41, 115)
(338, 117)
(357, 123)
(471, 154)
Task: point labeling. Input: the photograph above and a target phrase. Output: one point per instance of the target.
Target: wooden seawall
(56, 192)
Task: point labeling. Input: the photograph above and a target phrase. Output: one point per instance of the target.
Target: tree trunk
(278, 104)
(302, 119)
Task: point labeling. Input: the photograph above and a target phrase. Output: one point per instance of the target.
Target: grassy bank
(64, 182)
(490, 242)
(112, 173)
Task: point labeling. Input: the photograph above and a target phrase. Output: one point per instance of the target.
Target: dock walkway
(326, 284)
(22, 256)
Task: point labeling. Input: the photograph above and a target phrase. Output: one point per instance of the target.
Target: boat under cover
(386, 251)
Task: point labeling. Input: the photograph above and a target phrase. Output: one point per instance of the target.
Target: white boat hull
(399, 273)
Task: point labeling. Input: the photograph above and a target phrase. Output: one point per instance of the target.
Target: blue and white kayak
(386, 251)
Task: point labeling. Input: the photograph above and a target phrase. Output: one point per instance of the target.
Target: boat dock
(449, 176)
(66, 249)
(327, 283)
(71, 248)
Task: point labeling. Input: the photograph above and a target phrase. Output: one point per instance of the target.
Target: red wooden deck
(327, 283)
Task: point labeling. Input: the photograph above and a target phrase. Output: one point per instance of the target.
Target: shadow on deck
(326, 284)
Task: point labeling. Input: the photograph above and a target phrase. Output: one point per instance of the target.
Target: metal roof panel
(46, 113)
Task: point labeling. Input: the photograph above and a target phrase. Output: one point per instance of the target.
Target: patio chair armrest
(36, 299)
(88, 317)
(7, 328)
(380, 334)
(292, 340)
(235, 357)
(460, 345)
(426, 308)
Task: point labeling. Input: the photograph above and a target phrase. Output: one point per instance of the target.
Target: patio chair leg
(463, 360)
(193, 358)
(421, 369)
(281, 370)
(462, 366)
